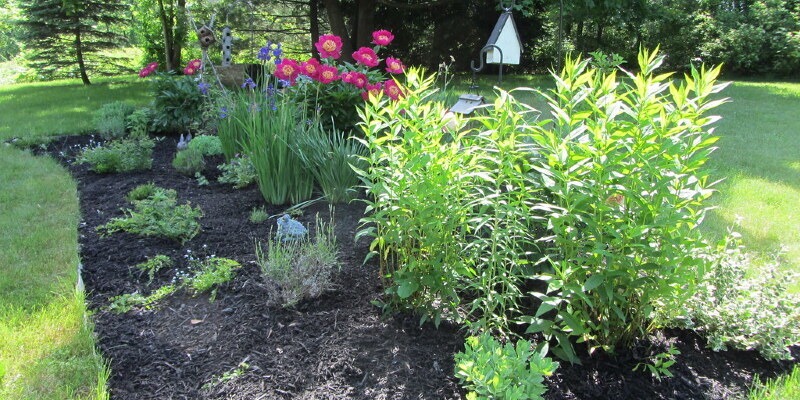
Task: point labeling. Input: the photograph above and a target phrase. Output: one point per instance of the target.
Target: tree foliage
(64, 37)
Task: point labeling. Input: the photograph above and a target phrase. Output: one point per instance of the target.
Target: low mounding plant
(141, 192)
(238, 172)
(741, 304)
(119, 155)
(157, 215)
(577, 227)
(110, 120)
(153, 265)
(329, 158)
(208, 145)
(177, 102)
(490, 370)
(189, 162)
(299, 269)
(208, 274)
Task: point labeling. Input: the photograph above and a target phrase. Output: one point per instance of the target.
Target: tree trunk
(313, 16)
(79, 54)
(166, 29)
(336, 19)
(366, 22)
(180, 32)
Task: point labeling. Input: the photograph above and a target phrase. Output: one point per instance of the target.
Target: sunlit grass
(786, 387)
(61, 107)
(46, 343)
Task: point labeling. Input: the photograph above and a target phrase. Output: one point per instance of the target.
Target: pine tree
(63, 36)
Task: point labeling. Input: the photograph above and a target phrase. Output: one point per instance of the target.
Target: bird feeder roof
(498, 28)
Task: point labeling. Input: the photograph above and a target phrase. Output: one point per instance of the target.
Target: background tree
(9, 30)
(63, 36)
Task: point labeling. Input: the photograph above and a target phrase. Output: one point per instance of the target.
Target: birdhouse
(506, 38)
(206, 37)
(227, 44)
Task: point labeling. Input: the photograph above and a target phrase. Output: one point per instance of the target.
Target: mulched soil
(338, 346)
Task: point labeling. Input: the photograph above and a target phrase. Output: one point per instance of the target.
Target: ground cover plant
(158, 215)
(118, 155)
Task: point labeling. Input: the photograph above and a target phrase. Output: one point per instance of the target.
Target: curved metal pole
(481, 55)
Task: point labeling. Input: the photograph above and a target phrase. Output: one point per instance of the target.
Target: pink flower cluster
(192, 67)
(149, 69)
(330, 47)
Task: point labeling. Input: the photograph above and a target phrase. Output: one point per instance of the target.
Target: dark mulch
(334, 347)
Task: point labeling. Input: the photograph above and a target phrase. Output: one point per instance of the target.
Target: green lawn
(61, 107)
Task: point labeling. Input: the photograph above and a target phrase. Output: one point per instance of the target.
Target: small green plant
(110, 119)
(490, 370)
(153, 265)
(138, 123)
(209, 273)
(741, 304)
(119, 155)
(781, 388)
(258, 215)
(299, 269)
(126, 302)
(206, 144)
(189, 162)
(240, 370)
(659, 364)
(201, 179)
(157, 215)
(141, 192)
(239, 172)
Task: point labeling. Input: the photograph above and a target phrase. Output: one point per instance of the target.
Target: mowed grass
(46, 342)
(30, 110)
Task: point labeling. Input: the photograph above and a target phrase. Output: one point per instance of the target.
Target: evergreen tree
(63, 36)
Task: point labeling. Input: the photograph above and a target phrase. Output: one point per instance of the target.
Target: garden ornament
(227, 46)
(206, 37)
(289, 229)
(183, 144)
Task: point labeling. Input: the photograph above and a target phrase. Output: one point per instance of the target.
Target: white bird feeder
(505, 38)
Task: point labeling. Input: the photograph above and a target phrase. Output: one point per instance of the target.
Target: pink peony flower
(394, 66)
(189, 70)
(288, 69)
(145, 71)
(329, 46)
(374, 90)
(152, 66)
(357, 79)
(310, 68)
(366, 56)
(392, 89)
(195, 64)
(382, 37)
(328, 73)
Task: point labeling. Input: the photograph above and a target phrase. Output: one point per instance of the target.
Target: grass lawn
(30, 110)
(46, 343)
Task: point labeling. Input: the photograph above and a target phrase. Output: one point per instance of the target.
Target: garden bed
(336, 346)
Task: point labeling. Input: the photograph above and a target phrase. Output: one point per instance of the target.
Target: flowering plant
(332, 88)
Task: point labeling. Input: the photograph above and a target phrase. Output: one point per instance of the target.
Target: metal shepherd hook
(481, 56)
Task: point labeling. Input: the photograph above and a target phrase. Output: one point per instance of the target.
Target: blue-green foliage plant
(111, 119)
(488, 369)
(189, 162)
(207, 144)
(119, 155)
(239, 172)
(576, 227)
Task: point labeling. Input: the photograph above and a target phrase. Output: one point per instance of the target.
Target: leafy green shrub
(740, 304)
(208, 145)
(299, 269)
(110, 119)
(141, 192)
(576, 227)
(158, 215)
(189, 162)
(153, 265)
(489, 370)
(119, 155)
(606, 63)
(209, 273)
(329, 158)
(177, 102)
(239, 172)
(138, 122)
